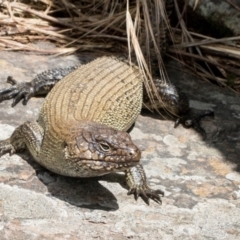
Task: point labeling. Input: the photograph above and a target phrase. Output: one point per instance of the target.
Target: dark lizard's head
(99, 150)
(191, 119)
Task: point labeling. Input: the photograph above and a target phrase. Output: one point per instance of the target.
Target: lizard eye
(188, 123)
(104, 146)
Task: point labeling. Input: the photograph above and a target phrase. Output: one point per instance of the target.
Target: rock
(200, 178)
(220, 13)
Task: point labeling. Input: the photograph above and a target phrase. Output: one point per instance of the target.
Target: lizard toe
(146, 193)
(6, 147)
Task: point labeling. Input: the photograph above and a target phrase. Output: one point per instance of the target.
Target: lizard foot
(137, 182)
(193, 120)
(145, 193)
(17, 92)
(6, 147)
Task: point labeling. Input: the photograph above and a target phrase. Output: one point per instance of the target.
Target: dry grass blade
(215, 60)
(13, 45)
(187, 35)
(195, 4)
(234, 5)
(101, 25)
(134, 41)
(221, 50)
(205, 59)
(91, 25)
(39, 22)
(226, 41)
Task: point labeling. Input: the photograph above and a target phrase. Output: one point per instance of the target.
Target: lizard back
(106, 90)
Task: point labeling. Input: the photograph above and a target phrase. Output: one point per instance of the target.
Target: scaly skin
(80, 129)
(173, 99)
(176, 103)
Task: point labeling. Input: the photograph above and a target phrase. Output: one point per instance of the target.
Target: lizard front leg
(137, 183)
(29, 136)
(40, 85)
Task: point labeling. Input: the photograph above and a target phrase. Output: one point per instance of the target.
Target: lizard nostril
(135, 154)
(131, 152)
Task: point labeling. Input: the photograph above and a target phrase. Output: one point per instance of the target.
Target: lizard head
(193, 120)
(102, 149)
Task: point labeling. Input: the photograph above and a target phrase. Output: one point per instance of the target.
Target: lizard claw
(6, 147)
(137, 183)
(17, 92)
(193, 120)
(145, 193)
(11, 80)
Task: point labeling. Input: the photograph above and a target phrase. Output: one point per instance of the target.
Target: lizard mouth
(107, 166)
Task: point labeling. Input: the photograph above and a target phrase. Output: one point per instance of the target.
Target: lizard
(38, 135)
(81, 128)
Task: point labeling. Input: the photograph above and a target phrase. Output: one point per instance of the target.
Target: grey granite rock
(201, 179)
(220, 12)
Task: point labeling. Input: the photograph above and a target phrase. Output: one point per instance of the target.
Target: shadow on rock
(223, 131)
(81, 192)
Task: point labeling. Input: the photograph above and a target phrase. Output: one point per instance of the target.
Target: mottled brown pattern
(79, 132)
